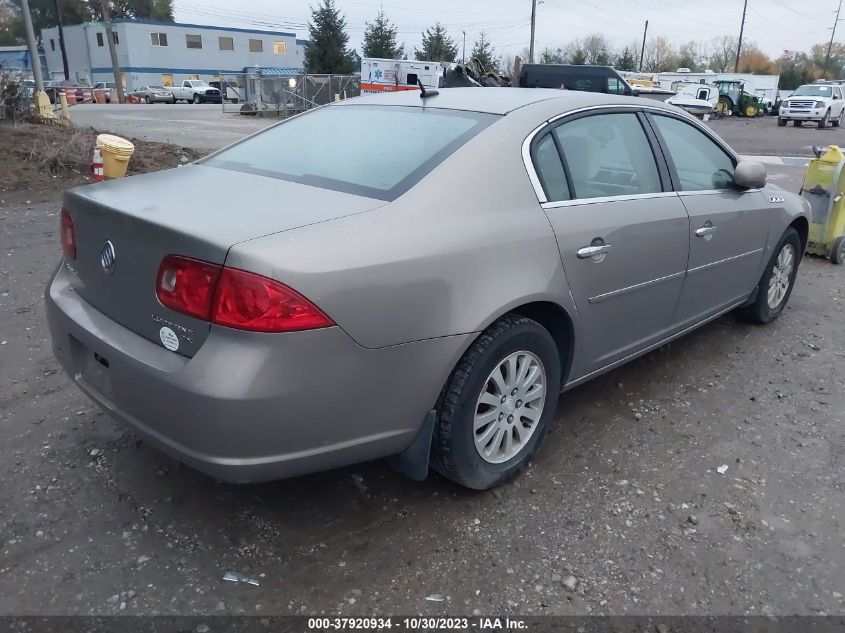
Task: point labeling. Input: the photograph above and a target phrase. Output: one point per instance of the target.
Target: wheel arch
(552, 316)
(557, 321)
(802, 225)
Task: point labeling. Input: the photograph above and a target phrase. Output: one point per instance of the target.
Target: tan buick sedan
(411, 278)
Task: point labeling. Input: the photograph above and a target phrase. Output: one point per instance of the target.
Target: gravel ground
(704, 478)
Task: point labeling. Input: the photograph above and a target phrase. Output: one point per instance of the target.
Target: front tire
(781, 122)
(823, 120)
(777, 281)
(797, 123)
(838, 120)
(147, 100)
(196, 98)
(497, 405)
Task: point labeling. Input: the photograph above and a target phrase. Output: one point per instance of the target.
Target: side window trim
(657, 152)
(535, 143)
(539, 138)
(563, 162)
(676, 181)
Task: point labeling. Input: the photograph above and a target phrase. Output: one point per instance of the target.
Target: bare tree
(688, 56)
(597, 48)
(722, 52)
(573, 52)
(660, 56)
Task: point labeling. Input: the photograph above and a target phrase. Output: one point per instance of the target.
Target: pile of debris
(475, 74)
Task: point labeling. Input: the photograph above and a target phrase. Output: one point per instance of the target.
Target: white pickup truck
(196, 91)
(818, 102)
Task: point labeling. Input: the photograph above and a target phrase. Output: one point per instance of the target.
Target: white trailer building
(764, 87)
(166, 53)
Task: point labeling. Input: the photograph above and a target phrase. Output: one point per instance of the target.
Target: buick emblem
(107, 257)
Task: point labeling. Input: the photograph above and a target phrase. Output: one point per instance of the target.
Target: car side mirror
(750, 175)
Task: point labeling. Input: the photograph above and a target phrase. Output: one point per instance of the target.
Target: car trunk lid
(197, 212)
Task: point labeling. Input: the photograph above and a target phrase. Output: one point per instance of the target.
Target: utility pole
(118, 78)
(741, 31)
(61, 38)
(464, 56)
(42, 103)
(830, 45)
(533, 25)
(642, 50)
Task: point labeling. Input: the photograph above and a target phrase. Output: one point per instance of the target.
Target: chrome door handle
(593, 251)
(704, 231)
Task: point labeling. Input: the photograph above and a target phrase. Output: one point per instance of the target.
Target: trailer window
(354, 148)
(412, 79)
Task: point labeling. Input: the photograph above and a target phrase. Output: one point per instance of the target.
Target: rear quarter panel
(464, 246)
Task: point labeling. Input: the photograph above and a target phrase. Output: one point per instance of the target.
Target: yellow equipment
(116, 153)
(824, 189)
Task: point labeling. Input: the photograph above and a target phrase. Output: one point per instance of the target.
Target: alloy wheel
(781, 276)
(509, 407)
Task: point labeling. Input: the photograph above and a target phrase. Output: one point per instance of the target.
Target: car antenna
(425, 94)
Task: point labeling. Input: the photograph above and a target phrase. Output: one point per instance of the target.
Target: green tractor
(734, 100)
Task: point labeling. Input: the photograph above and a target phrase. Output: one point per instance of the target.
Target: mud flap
(413, 461)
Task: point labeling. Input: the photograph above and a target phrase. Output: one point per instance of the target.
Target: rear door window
(374, 151)
(608, 155)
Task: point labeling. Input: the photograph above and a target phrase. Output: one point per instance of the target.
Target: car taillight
(187, 285)
(68, 235)
(247, 301)
(234, 298)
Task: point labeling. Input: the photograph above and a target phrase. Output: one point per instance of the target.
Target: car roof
(494, 100)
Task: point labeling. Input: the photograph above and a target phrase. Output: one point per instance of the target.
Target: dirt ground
(705, 478)
(46, 158)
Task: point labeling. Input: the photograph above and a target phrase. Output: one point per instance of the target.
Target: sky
(774, 25)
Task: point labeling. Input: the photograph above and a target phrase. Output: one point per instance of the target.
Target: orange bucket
(71, 96)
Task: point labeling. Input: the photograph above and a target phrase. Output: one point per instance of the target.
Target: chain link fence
(280, 92)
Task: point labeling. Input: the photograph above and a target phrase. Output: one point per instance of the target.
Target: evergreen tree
(380, 39)
(626, 60)
(161, 10)
(437, 46)
(579, 57)
(43, 14)
(483, 51)
(549, 56)
(327, 52)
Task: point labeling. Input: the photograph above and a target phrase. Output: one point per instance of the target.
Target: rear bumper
(252, 407)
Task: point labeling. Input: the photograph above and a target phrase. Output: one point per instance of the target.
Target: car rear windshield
(373, 151)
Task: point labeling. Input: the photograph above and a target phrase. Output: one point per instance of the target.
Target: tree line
(329, 53)
(329, 50)
(717, 54)
(47, 13)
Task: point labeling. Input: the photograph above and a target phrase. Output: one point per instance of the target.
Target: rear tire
(511, 346)
(781, 122)
(772, 296)
(837, 253)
